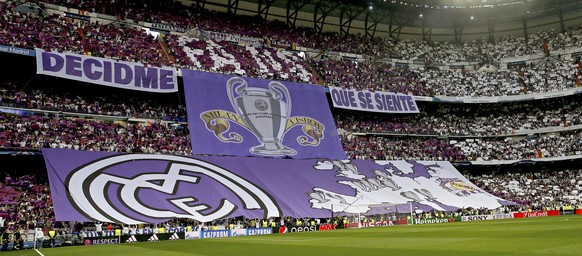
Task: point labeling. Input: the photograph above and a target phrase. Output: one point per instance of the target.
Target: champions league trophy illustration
(264, 112)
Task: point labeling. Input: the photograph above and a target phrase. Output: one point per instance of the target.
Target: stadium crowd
(434, 119)
(26, 204)
(468, 120)
(59, 33)
(387, 148)
(217, 54)
(70, 99)
(555, 75)
(546, 188)
(247, 60)
(359, 75)
(478, 51)
(250, 60)
(31, 131)
(25, 200)
(482, 149)
(176, 14)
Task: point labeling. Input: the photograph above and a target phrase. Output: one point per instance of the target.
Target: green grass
(536, 236)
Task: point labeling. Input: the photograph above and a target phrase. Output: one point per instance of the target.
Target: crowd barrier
(534, 214)
(487, 217)
(148, 235)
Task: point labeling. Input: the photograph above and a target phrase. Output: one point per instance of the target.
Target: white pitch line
(39, 252)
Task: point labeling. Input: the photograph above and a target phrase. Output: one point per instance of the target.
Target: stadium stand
(471, 51)
(98, 39)
(514, 131)
(551, 76)
(37, 131)
(26, 199)
(539, 190)
(468, 120)
(546, 77)
(479, 149)
(450, 120)
(253, 61)
(67, 98)
(59, 33)
(265, 62)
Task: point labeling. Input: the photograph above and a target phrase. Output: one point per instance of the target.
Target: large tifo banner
(384, 102)
(109, 72)
(138, 188)
(243, 116)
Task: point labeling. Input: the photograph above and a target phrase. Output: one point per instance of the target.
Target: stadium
(303, 127)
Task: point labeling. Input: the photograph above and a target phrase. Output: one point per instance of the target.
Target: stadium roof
(421, 19)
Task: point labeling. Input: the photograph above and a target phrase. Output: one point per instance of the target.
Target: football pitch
(535, 236)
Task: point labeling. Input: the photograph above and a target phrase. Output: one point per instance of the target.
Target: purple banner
(383, 102)
(242, 116)
(138, 188)
(109, 72)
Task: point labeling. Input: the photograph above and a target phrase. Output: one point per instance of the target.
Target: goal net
(358, 216)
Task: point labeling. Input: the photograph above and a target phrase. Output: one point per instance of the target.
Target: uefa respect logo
(88, 186)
